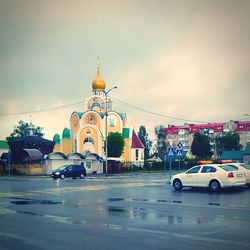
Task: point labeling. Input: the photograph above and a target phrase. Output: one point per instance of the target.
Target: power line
(158, 114)
(117, 100)
(43, 110)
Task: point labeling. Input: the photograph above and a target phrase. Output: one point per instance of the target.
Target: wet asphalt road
(120, 212)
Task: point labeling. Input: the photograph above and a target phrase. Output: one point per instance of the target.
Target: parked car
(213, 176)
(69, 171)
(245, 168)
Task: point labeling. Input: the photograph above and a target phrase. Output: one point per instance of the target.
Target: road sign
(101, 159)
(179, 153)
(170, 152)
(179, 145)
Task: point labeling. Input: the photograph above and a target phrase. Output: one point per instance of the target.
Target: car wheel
(177, 185)
(62, 176)
(82, 176)
(214, 186)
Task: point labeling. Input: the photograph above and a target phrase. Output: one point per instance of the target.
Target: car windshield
(245, 165)
(228, 168)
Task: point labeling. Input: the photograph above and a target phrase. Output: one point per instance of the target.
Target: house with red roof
(185, 133)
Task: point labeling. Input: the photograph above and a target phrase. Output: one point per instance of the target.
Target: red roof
(172, 129)
(217, 127)
(194, 128)
(242, 126)
(136, 142)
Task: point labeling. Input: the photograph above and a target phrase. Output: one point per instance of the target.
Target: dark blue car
(69, 171)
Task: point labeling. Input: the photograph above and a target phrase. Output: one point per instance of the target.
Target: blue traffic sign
(170, 152)
(179, 153)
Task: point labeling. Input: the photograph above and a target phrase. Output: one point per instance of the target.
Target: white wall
(133, 155)
(51, 165)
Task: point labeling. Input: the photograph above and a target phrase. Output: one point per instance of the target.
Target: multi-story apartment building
(185, 133)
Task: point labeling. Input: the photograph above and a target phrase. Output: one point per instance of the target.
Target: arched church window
(88, 139)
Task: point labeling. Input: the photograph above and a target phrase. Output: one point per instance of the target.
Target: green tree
(161, 144)
(201, 146)
(147, 143)
(229, 141)
(23, 129)
(116, 144)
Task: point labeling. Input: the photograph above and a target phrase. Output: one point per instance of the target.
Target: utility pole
(106, 126)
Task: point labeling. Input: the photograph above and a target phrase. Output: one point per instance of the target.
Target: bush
(159, 166)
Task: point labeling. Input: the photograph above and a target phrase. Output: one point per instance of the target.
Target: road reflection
(156, 216)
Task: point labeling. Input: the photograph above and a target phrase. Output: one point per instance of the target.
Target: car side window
(208, 169)
(229, 167)
(70, 168)
(194, 170)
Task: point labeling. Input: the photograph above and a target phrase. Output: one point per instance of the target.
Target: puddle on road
(136, 211)
(29, 213)
(117, 199)
(155, 216)
(213, 204)
(26, 201)
(142, 200)
(74, 221)
(163, 201)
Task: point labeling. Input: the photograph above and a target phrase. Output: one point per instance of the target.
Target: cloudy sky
(184, 59)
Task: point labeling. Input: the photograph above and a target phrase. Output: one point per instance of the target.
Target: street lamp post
(106, 126)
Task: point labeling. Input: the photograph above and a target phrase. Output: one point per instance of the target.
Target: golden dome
(98, 83)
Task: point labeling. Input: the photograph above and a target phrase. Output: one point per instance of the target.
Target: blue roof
(102, 114)
(232, 155)
(80, 114)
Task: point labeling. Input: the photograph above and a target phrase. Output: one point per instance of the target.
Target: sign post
(165, 163)
(170, 157)
(101, 162)
(179, 154)
(9, 162)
